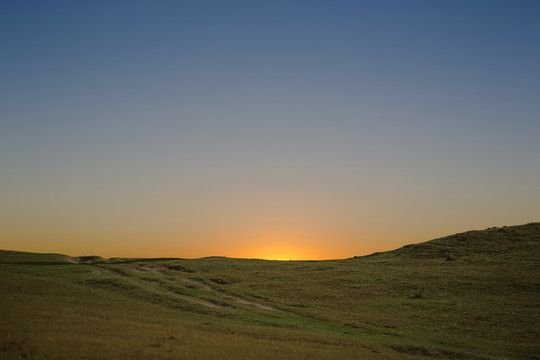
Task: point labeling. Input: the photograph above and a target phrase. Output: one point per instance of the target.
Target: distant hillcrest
(494, 242)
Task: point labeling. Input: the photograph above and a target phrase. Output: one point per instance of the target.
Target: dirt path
(196, 283)
(240, 301)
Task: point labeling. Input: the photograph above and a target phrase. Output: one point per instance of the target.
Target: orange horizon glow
(283, 244)
(258, 242)
(270, 133)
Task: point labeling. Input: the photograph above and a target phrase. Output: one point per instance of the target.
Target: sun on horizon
(279, 130)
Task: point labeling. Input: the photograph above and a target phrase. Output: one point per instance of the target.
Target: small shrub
(418, 294)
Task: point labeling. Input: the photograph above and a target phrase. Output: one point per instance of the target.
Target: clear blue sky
(265, 128)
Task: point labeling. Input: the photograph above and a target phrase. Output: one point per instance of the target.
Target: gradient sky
(271, 129)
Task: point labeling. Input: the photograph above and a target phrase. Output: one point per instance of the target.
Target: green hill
(467, 296)
(509, 242)
(7, 256)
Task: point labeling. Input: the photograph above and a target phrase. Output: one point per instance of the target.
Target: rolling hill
(472, 295)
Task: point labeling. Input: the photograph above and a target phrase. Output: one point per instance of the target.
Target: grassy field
(474, 295)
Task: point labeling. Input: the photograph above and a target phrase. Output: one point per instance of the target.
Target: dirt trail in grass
(205, 287)
(87, 259)
(148, 269)
(238, 300)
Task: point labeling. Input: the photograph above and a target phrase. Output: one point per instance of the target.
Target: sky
(265, 129)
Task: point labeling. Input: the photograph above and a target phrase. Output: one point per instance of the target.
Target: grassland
(474, 295)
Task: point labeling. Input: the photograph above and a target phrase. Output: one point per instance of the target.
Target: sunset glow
(272, 129)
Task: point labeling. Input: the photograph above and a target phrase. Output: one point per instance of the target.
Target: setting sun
(282, 254)
(294, 130)
(285, 242)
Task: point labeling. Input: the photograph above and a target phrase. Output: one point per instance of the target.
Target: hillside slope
(512, 242)
(467, 296)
